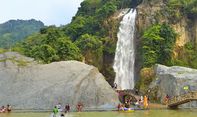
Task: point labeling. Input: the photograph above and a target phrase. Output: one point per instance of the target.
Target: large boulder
(172, 80)
(36, 86)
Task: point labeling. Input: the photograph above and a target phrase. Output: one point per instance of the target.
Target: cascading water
(125, 56)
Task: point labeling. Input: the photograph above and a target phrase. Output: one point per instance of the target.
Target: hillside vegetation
(14, 31)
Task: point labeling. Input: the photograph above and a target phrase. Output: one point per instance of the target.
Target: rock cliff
(156, 11)
(152, 12)
(36, 86)
(171, 80)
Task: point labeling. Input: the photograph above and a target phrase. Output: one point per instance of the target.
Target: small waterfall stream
(125, 56)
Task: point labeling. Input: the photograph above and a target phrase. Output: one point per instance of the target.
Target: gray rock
(14, 59)
(38, 86)
(171, 80)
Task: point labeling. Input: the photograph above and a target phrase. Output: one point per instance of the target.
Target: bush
(44, 53)
(188, 7)
(91, 48)
(188, 56)
(147, 75)
(157, 45)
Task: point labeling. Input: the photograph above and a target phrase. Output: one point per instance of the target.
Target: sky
(50, 12)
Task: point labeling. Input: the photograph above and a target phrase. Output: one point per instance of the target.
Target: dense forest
(14, 31)
(92, 36)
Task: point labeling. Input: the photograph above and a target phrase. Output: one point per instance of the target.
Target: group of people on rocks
(58, 109)
(4, 109)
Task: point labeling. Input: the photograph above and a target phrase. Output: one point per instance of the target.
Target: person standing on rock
(115, 86)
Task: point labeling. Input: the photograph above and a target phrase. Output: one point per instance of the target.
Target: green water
(147, 113)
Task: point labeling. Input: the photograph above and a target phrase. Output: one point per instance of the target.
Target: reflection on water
(147, 113)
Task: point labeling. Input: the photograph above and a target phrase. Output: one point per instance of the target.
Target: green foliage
(127, 3)
(191, 8)
(88, 7)
(188, 56)
(88, 42)
(157, 45)
(188, 7)
(52, 34)
(66, 50)
(14, 31)
(106, 10)
(28, 44)
(109, 46)
(91, 48)
(75, 29)
(81, 25)
(44, 53)
(48, 46)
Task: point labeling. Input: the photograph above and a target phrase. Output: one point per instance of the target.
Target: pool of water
(140, 113)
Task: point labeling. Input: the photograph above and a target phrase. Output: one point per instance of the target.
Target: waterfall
(125, 56)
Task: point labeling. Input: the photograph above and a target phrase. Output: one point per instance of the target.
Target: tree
(157, 45)
(188, 7)
(91, 48)
(75, 29)
(44, 53)
(66, 50)
(106, 10)
(49, 46)
(88, 7)
(52, 34)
